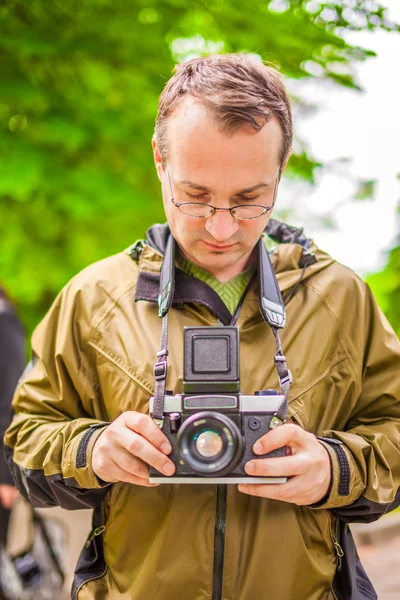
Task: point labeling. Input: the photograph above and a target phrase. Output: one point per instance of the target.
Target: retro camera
(211, 426)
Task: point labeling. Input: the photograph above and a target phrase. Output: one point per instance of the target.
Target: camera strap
(271, 304)
(160, 374)
(271, 307)
(165, 298)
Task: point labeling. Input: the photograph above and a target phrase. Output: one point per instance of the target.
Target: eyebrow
(203, 188)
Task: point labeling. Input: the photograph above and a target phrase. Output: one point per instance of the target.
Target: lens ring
(220, 462)
(209, 444)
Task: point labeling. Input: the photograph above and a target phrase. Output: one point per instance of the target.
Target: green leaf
(80, 82)
(366, 190)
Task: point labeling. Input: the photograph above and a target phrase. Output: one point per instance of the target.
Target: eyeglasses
(242, 212)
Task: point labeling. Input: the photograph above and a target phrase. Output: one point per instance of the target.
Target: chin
(211, 259)
(218, 260)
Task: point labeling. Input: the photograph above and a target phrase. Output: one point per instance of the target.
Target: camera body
(212, 427)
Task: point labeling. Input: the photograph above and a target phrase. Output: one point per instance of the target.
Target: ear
(157, 158)
(284, 165)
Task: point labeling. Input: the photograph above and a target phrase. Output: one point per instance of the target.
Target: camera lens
(210, 443)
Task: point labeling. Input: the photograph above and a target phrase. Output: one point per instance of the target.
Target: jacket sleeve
(365, 456)
(12, 361)
(58, 411)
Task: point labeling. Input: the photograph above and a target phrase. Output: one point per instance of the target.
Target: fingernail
(169, 469)
(166, 448)
(249, 468)
(257, 448)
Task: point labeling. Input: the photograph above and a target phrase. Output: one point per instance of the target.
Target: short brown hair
(238, 91)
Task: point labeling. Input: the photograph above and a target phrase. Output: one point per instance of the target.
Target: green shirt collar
(230, 292)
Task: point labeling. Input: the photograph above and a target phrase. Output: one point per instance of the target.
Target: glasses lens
(252, 211)
(196, 209)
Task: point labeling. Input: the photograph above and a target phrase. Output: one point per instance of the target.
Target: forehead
(196, 145)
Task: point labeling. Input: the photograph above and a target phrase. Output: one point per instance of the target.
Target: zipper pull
(340, 554)
(97, 531)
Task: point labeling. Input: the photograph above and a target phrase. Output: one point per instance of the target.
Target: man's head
(223, 136)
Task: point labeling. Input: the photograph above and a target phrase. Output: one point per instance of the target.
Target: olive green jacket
(93, 359)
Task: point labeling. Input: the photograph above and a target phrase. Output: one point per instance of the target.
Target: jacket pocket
(295, 419)
(338, 550)
(125, 368)
(325, 403)
(338, 553)
(351, 581)
(124, 386)
(306, 387)
(91, 564)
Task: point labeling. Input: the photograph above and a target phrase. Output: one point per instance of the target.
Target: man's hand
(8, 494)
(126, 447)
(307, 465)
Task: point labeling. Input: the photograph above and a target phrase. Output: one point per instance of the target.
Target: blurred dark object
(378, 546)
(27, 569)
(12, 361)
(38, 572)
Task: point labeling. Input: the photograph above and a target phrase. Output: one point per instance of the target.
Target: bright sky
(364, 127)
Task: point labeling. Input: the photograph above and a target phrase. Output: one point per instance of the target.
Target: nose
(221, 225)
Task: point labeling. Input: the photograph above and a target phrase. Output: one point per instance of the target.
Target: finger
(285, 492)
(147, 428)
(3, 494)
(138, 446)
(260, 490)
(130, 464)
(286, 466)
(8, 494)
(297, 490)
(119, 474)
(284, 435)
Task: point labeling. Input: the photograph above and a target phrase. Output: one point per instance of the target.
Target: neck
(227, 272)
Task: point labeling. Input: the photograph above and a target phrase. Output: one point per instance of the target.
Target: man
(12, 359)
(82, 434)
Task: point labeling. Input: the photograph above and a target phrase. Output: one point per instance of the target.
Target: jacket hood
(294, 258)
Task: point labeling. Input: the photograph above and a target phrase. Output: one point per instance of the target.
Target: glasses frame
(214, 208)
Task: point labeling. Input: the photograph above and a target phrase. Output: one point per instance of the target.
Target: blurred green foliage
(79, 83)
(386, 288)
(386, 285)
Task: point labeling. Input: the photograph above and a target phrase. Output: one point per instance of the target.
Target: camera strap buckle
(158, 422)
(275, 422)
(160, 370)
(285, 376)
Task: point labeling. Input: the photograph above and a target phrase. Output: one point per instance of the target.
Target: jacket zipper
(338, 548)
(95, 532)
(219, 541)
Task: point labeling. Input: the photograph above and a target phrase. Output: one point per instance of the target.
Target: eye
(196, 196)
(248, 199)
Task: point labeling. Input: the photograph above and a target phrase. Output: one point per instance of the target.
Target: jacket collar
(287, 259)
(187, 289)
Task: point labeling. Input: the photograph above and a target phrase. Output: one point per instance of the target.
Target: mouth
(219, 247)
